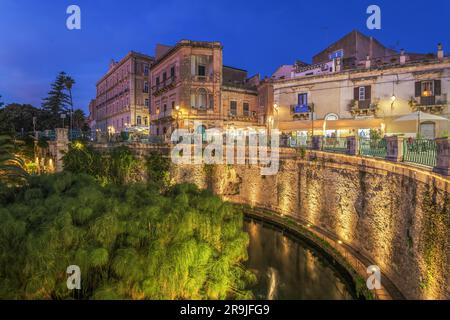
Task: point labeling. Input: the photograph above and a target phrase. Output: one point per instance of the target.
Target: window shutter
(437, 88)
(418, 89)
(356, 94)
(368, 93)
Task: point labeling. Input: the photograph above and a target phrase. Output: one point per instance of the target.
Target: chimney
(402, 56)
(368, 62)
(440, 53)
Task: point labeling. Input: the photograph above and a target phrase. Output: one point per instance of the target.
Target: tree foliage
(118, 166)
(15, 117)
(130, 242)
(12, 165)
(59, 100)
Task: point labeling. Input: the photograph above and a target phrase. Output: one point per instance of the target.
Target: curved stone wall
(397, 216)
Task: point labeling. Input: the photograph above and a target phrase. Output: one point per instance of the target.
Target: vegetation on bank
(130, 242)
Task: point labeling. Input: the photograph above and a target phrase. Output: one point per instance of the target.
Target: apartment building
(356, 85)
(190, 85)
(123, 96)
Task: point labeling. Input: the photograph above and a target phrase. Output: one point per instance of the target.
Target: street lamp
(276, 109)
(177, 108)
(311, 107)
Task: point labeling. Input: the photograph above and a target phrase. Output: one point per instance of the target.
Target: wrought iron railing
(373, 147)
(420, 151)
(299, 142)
(338, 145)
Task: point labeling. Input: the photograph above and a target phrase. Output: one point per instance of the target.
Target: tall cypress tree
(57, 101)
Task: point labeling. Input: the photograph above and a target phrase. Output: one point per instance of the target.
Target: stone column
(443, 156)
(352, 146)
(62, 146)
(394, 149)
(317, 142)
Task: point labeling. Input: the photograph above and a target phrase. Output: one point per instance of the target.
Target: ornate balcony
(164, 86)
(364, 108)
(301, 112)
(429, 104)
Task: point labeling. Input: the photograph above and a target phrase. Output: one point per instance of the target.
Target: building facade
(123, 96)
(361, 95)
(190, 85)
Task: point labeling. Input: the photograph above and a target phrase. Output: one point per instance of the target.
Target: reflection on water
(290, 269)
(273, 284)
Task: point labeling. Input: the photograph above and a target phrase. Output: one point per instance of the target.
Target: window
(201, 70)
(303, 99)
(146, 87)
(428, 130)
(362, 93)
(172, 72)
(147, 102)
(164, 76)
(145, 121)
(164, 108)
(157, 81)
(199, 99)
(173, 105)
(331, 117)
(427, 89)
(139, 120)
(233, 108)
(157, 131)
(246, 108)
(146, 69)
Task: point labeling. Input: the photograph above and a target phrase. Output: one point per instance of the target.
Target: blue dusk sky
(257, 35)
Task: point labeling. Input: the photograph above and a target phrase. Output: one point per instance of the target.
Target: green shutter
(418, 89)
(437, 88)
(356, 94)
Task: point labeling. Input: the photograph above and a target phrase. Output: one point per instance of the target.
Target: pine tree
(58, 101)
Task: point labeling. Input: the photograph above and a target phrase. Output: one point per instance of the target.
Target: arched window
(331, 117)
(199, 99)
(202, 95)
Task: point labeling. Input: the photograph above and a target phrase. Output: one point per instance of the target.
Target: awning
(343, 124)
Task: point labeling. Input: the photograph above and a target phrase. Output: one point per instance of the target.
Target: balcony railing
(301, 112)
(428, 104)
(163, 86)
(363, 108)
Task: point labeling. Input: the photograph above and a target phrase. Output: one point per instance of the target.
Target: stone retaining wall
(396, 215)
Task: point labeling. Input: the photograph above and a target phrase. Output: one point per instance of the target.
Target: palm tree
(69, 82)
(12, 167)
